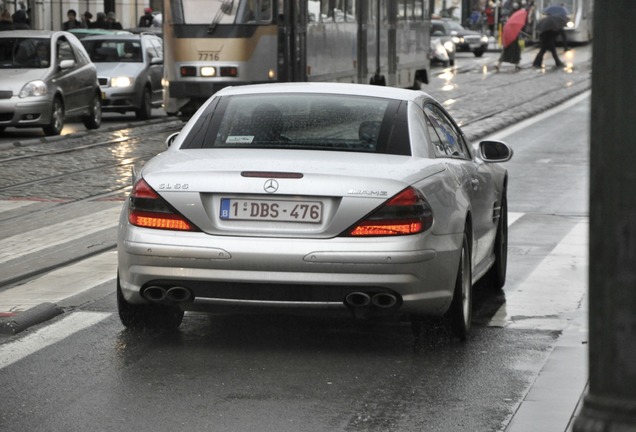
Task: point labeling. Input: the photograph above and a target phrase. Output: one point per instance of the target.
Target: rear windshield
(303, 121)
(25, 53)
(113, 51)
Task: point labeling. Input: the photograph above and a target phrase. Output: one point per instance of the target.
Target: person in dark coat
(72, 22)
(100, 21)
(86, 19)
(146, 19)
(20, 20)
(6, 23)
(112, 22)
(549, 28)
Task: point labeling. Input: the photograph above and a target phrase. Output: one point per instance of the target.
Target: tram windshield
(221, 12)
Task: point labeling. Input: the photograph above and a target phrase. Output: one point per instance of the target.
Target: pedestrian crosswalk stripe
(553, 291)
(61, 283)
(60, 233)
(14, 351)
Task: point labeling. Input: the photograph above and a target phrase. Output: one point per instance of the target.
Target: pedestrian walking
(6, 23)
(511, 52)
(549, 28)
(147, 18)
(72, 22)
(113, 24)
(20, 20)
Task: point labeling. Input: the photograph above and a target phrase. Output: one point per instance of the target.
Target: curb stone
(12, 325)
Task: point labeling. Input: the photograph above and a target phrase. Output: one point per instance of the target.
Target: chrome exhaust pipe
(178, 294)
(357, 299)
(384, 300)
(154, 293)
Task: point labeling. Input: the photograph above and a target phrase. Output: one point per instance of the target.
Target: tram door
(292, 40)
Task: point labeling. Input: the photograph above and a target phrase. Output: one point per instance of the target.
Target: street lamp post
(610, 405)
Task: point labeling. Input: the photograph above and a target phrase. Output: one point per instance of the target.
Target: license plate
(271, 210)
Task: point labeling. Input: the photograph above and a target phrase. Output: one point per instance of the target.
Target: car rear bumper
(248, 273)
(26, 112)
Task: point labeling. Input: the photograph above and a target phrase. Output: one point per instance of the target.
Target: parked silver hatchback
(45, 78)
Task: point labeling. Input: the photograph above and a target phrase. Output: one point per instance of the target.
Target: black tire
(94, 119)
(145, 316)
(496, 276)
(459, 315)
(145, 110)
(56, 124)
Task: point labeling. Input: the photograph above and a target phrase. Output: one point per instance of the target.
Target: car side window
(449, 137)
(64, 50)
(154, 48)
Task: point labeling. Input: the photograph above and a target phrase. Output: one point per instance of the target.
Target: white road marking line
(12, 352)
(6, 205)
(42, 238)
(554, 290)
(513, 217)
(61, 283)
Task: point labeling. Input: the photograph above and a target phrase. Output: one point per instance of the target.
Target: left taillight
(148, 210)
(406, 213)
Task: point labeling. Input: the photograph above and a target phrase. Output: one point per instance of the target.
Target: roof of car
(130, 36)
(338, 88)
(31, 33)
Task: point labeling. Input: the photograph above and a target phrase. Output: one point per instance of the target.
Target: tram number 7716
(207, 56)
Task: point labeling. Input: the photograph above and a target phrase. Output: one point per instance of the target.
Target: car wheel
(496, 276)
(145, 111)
(147, 316)
(57, 118)
(94, 119)
(459, 314)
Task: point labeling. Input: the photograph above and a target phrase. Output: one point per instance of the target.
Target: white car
(46, 77)
(314, 196)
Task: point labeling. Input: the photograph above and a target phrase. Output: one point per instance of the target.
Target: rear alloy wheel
(145, 316)
(145, 111)
(459, 314)
(94, 119)
(496, 276)
(57, 119)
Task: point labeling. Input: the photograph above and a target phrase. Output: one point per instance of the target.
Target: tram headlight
(208, 71)
(122, 81)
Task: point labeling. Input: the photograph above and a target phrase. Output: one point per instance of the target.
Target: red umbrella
(513, 26)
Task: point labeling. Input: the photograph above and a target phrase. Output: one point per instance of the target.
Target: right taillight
(406, 213)
(147, 209)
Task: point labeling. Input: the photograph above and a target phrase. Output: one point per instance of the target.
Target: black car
(465, 40)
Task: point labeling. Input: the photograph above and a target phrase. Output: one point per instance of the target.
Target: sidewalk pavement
(491, 101)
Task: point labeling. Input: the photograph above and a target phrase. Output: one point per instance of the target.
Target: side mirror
(495, 151)
(67, 64)
(171, 139)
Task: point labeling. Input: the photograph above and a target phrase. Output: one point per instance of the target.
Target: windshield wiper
(225, 9)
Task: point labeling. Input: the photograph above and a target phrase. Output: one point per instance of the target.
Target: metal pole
(610, 404)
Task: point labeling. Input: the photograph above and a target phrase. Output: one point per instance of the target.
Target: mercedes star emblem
(270, 186)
